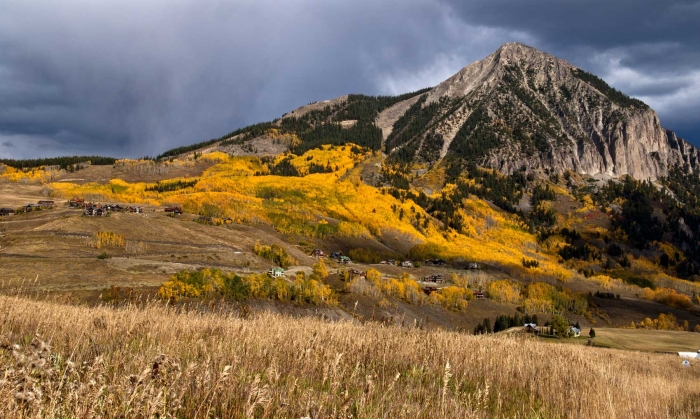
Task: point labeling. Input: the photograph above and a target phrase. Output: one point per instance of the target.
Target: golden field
(159, 361)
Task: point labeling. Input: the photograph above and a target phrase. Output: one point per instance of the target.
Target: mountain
(520, 107)
(517, 109)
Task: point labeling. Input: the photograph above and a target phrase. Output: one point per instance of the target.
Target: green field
(639, 340)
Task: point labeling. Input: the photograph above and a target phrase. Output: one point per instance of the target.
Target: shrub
(369, 256)
(213, 282)
(275, 254)
(530, 263)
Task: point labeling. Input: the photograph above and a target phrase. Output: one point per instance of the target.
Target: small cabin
(275, 272)
(473, 265)
(531, 328)
(173, 210)
(574, 331)
(31, 207)
(318, 253)
(438, 278)
(46, 203)
(406, 264)
(479, 295)
(344, 259)
(7, 211)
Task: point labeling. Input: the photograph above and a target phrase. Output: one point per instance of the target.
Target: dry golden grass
(158, 361)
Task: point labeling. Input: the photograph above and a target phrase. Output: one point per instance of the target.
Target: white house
(690, 355)
(276, 272)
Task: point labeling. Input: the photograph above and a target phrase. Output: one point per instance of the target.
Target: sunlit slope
(335, 203)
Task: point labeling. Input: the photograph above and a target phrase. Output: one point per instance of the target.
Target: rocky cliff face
(520, 107)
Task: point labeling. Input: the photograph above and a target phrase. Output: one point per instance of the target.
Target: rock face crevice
(537, 111)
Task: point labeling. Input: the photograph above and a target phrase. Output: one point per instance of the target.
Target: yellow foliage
(663, 322)
(667, 296)
(34, 176)
(505, 291)
(106, 239)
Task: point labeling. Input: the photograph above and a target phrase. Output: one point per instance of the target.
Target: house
(76, 203)
(99, 212)
(436, 262)
(135, 210)
(574, 331)
(275, 272)
(690, 355)
(89, 211)
(438, 278)
(479, 295)
(344, 259)
(406, 264)
(391, 262)
(318, 253)
(7, 211)
(46, 203)
(473, 265)
(336, 255)
(173, 210)
(531, 328)
(31, 207)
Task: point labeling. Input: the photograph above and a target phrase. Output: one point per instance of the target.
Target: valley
(519, 228)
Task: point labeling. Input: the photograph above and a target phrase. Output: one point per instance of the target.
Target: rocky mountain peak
(521, 108)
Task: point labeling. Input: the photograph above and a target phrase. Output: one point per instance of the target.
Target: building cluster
(536, 330)
(40, 205)
(92, 209)
(340, 258)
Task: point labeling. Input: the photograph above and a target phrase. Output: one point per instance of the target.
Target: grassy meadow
(159, 361)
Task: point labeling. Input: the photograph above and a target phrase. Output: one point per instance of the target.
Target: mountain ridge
(538, 111)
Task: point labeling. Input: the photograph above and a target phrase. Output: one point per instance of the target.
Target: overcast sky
(132, 78)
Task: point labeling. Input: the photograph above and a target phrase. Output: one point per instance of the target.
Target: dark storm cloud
(133, 78)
